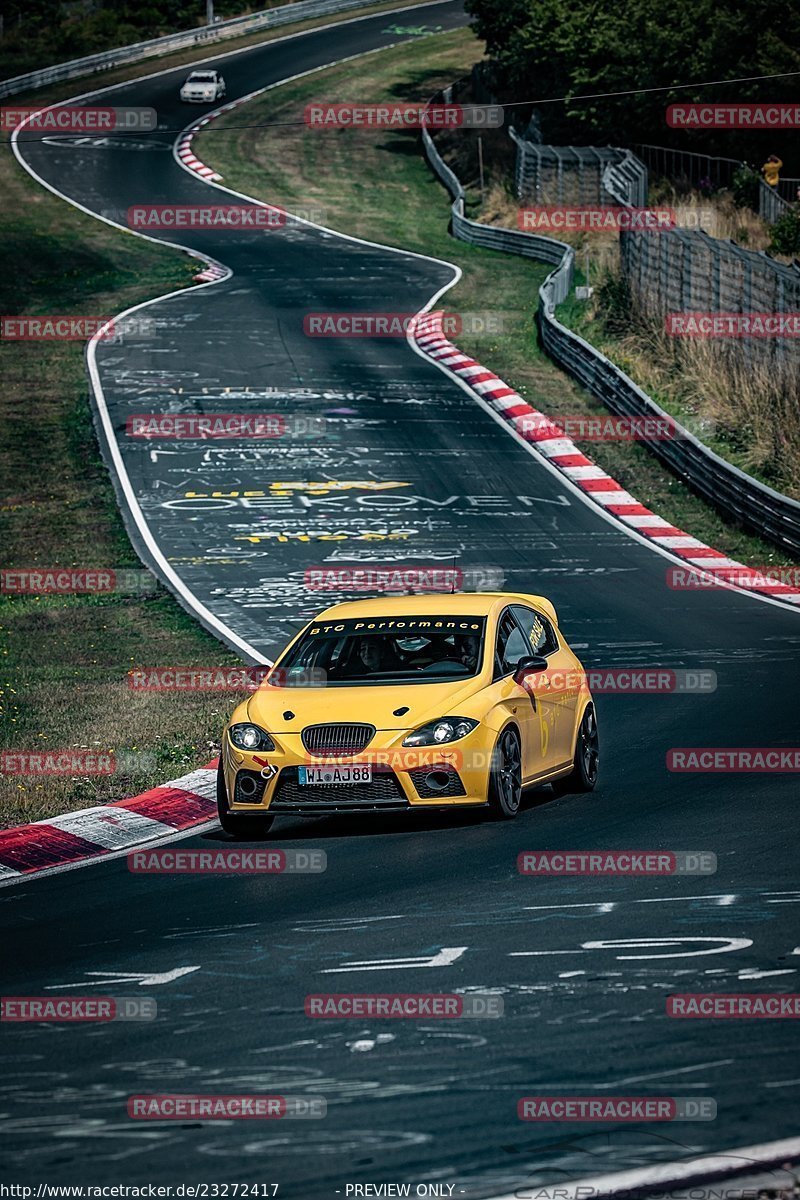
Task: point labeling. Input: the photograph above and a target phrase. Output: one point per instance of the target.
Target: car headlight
(250, 737)
(436, 733)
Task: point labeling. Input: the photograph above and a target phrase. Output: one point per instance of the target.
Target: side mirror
(529, 665)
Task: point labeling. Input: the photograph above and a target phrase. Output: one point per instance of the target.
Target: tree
(545, 49)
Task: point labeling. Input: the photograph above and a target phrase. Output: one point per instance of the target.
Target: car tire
(586, 763)
(505, 777)
(242, 826)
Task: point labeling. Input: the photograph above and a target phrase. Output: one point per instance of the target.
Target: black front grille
(383, 792)
(444, 775)
(329, 740)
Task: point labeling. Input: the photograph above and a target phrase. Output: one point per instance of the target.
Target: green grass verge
(64, 659)
(377, 185)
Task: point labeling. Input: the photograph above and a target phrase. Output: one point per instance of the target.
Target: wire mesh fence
(680, 271)
(574, 174)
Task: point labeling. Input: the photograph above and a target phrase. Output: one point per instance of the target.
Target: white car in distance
(202, 87)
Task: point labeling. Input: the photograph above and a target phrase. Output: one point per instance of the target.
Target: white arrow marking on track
(143, 978)
(447, 955)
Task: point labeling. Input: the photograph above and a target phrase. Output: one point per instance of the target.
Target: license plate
(330, 776)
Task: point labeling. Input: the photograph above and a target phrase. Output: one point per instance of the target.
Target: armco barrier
(738, 496)
(201, 36)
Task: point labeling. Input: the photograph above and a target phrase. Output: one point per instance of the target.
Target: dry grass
(751, 412)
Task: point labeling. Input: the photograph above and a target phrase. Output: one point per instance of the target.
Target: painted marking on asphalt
(446, 956)
(362, 1045)
(631, 1079)
(754, 973)
(142, 978)
(600, 906)
(341, 924)
(723, 946)
(721, 900)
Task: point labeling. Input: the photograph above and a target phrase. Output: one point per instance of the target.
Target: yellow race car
(411, 702)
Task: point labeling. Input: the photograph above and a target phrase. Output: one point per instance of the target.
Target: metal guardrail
(203, 35)
(771, 204)
(738, 496)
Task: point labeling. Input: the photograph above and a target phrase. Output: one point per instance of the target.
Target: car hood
(352, 705)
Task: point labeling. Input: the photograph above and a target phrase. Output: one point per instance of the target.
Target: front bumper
(434, 777)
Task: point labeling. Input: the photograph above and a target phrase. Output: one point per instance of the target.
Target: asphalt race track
(234, 957)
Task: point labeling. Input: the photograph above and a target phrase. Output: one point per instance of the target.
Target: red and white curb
(187, 155)
(552, 443)
(93, 833)
(211, 272)
(184, 150)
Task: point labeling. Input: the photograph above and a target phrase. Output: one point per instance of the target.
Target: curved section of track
(413, 470)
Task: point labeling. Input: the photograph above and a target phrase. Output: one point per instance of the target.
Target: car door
(556, 689)
(517, 703)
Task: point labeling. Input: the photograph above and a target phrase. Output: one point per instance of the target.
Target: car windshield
(385, 650)
(202, 77)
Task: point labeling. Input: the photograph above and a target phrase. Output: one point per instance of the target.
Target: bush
(786, 232)
(745, 186)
